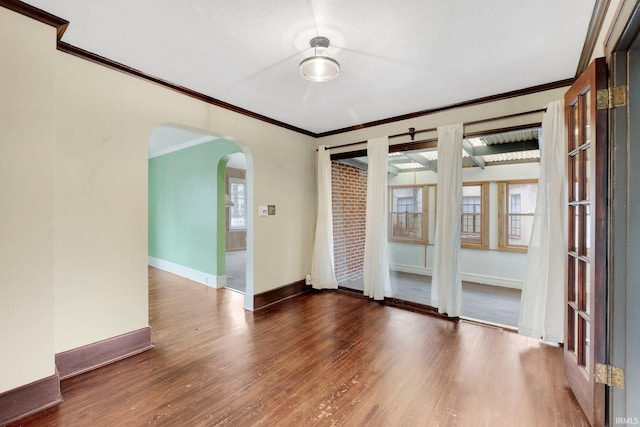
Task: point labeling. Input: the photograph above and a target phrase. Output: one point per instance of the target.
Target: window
(474, 216)
(238, 212)
(407, 214)
(517, 204)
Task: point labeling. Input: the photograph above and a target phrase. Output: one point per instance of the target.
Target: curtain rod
(412, 132)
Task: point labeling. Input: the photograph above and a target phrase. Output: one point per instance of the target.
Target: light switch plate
(263, 211)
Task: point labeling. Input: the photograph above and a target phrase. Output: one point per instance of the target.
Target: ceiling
(397, 56)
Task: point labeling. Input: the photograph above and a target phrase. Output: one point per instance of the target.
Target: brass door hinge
(611, 98)
(609, 375)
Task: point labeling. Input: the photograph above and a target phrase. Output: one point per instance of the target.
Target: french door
(585, 333)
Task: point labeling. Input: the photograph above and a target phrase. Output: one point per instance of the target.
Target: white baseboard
(467, 277)
(492, 280)
(411, 269)
(191, 274)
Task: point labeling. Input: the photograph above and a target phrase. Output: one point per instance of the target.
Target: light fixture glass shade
(319, 68)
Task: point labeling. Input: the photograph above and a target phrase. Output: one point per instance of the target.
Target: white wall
(26, 200)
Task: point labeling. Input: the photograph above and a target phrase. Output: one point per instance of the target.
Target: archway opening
(188, 206)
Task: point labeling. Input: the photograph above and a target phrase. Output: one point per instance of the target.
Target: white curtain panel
(377, 283)
(322, 264)
(542, 305)
(446, 285)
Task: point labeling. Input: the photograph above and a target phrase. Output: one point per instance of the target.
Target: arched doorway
(187, 218)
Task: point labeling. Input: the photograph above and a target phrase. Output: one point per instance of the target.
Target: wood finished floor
(322, 359)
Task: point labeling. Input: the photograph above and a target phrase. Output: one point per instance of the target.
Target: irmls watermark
(627, 421)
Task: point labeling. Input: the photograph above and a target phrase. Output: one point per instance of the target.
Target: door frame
(624, 136)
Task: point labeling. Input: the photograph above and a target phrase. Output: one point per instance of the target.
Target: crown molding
(37, 14)
(595, 26)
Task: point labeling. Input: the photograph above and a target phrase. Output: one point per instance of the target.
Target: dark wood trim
(29, 399)
(473, 102)
(595, 25)
(399, 303)
(37, 14)
(273, 296)
(348, 155)
(96, 355)
(416, 307)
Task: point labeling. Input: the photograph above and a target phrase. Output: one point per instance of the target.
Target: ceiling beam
(468, 148)
(362, 164)
(514, 162)
(505, 148)
(428, 164)
(355, 163)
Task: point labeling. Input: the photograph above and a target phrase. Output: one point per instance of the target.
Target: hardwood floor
(324, 358)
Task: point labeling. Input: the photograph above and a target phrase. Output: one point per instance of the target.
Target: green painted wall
(186, 206)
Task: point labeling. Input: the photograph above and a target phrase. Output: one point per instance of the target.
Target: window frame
(503, 216)
(243, 182)
(425, 213)
(484, 217)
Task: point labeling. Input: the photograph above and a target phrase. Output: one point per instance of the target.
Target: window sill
(480, 246)
(517, 249)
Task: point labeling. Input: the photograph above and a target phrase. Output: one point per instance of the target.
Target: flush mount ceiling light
(319, 67)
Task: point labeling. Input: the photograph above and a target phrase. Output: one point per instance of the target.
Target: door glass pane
(576, 279)
(571, 278)
(571, 174)
(575, 177)
(587, 117)
(571, 330)
(576, 229)
(583, 223)
(576, 335)
(587, 173)
(587, 345)
(587, 230)
(581, 342)
(580, 289)
(575, 143)
(571, 231)
(587, 288)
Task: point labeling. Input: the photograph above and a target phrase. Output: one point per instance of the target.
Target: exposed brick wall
(349, 193)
